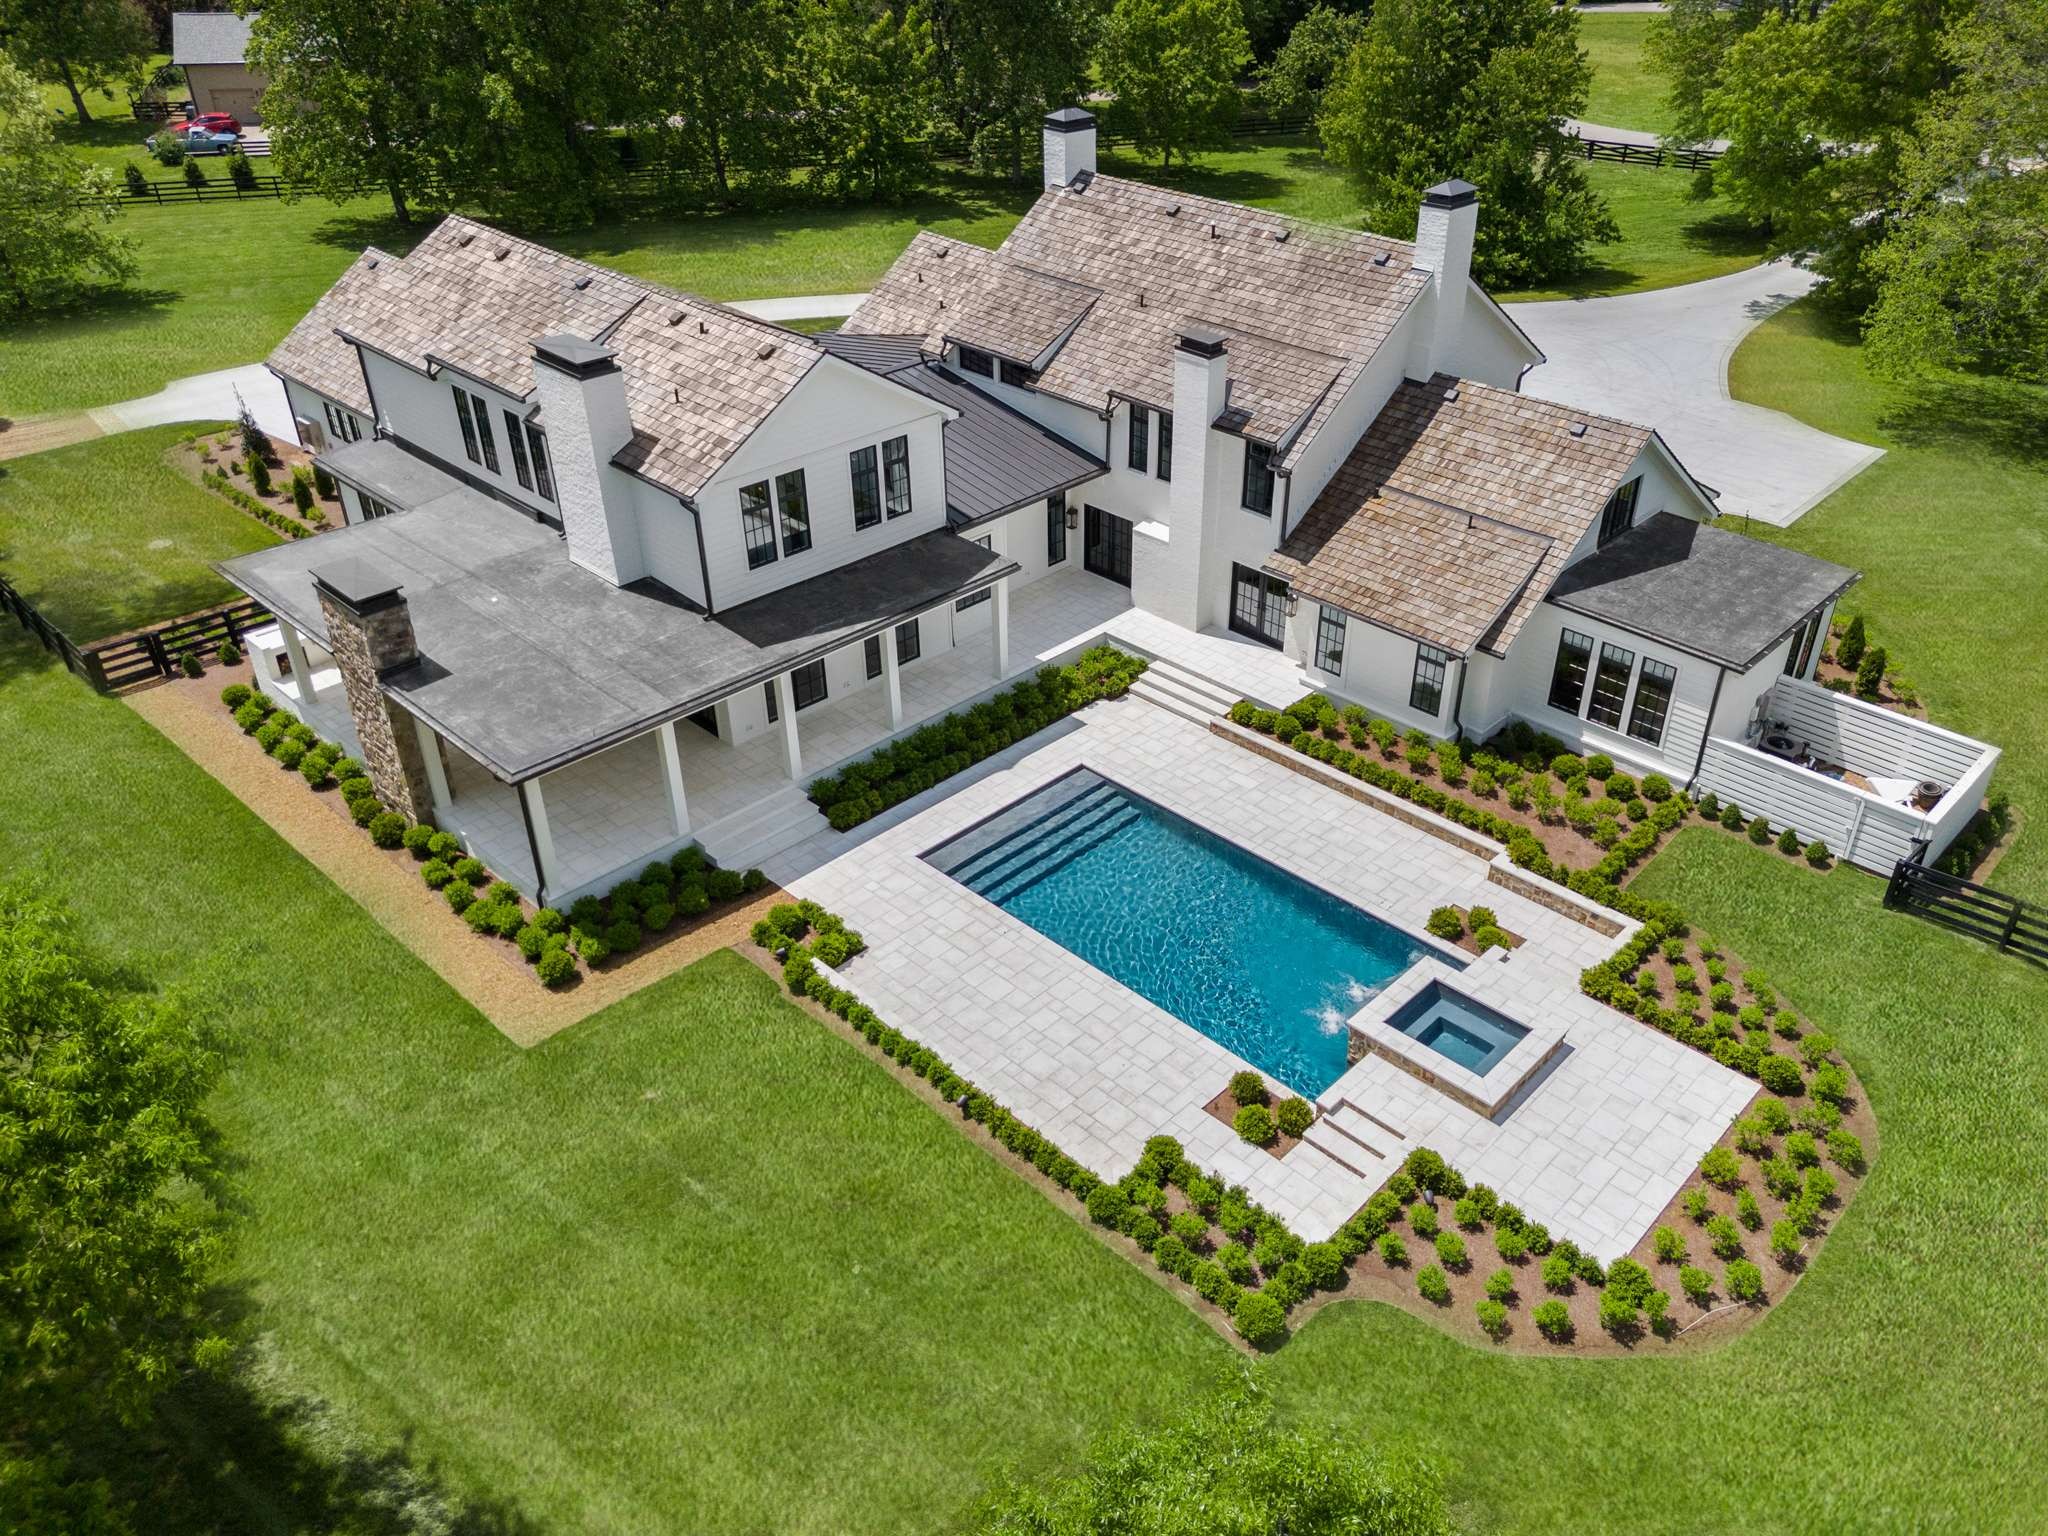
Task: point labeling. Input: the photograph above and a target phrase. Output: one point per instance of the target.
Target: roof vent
(373, 263)
(1381, 259)
(1578, 429)
(1280, 236)
(767, 350)
(677, 391)
(942, 303)
(1451, 394)
(1212, 232)
(1141, 298)
(920, 277)
(1173, 212)
(501, 253)
(678, 316)
(462, 241)
(940, 253)
(703, 329)
(581, 283)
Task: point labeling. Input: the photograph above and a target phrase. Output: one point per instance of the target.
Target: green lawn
(1901, 1386)
(1950, 530)
(1666, 237)
(105, 536)
(1626, 92)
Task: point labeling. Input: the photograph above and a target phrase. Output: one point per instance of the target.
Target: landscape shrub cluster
(290, 527)
(937, 751)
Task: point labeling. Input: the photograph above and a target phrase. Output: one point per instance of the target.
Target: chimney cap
(361, 586)
(576, 357)
(1070, 120)
(1199, 340)
(1451, 194)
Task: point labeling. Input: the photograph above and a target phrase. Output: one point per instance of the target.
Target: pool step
(1028, 842)
(1044, 861)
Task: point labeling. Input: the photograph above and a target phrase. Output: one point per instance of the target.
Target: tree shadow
(92, 301)
(1971, 414)
(1726, 234)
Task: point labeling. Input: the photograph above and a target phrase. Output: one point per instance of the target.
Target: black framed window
(909, 642)
(1610, 686)
(1619, 515)
(1165, 445)
(1652, 707)
(468, 427)
(516, 441)
(1799, 654)
(757, 522)
(543, 478)
(342, 425)
(871, 651)
(1055, 527)
(896, 475)
(1141, 437)
(807, 684)
(976, 599)
(1258, 479)
(774, 708)
(1568, 672)
(867, 487)
(1106, 545)
(974, 360)
(794, 503)
(484, 435)
(1330, 640)
(1258, 605)
(372, 507)
(1426, 688)
(1016, 375)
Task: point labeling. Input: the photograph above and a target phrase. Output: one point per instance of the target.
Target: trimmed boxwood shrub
(1721, 1167)
(555, 966)
(1669, 1245)
(459, 897)
(1450, 1250)
(530, 941)
(1293, 1115)
(692, 900)
(1846, 1148)
(436, 873)
(469, 871)
(1446, 923)
(419, 840)
(1747, 1211)
(354, 787)
(1248, 1088)
(1744, 1280)
(316, 768)
(1254, 1123)
(1392, 1250)
(289, 752)
(235, 695)
(442, 845)
(1782, 1076)
(1260, 1319)
(270, 733)
(1557, 1273)
(1422, 1219)
(1724, 1236)
(1553, 1319)
(1236, 1261)
(387, 828)
(1493, 1317)
(1430, 1281)
(368, 808)
(1512, 1243)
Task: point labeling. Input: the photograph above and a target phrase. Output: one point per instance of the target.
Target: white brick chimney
(1069, 146)
(583, 410)
(1443, 246)
(1167, 577)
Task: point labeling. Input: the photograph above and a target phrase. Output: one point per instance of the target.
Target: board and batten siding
(1877, 743)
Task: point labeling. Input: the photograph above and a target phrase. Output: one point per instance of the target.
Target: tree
(56, 212)
(80, 44)
(718, 87)
(1477, 89)
(1003, 64)
(107, 1213)
(1227, 1467)
(872, 95)
(1962, 278)
(1313, 55)
(353, 87)
(1172, 66)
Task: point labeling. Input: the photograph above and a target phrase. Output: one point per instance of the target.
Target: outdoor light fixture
(1293, 603)
(1073, 517)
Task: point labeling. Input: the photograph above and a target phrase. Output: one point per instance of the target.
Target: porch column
(302, 670)
(437, 771)
(999, 626)
(672, 777)
(892, 679)
(785, 706)
(539, 840)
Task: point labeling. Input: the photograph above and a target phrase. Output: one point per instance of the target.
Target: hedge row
(291, 527)
(937, 751)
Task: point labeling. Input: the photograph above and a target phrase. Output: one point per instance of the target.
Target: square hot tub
(1463, 1032)
(1464, 1048)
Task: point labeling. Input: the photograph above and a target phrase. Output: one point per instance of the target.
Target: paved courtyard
(1593, 1147)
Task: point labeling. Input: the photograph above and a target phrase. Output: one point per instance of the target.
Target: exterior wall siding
(421, 411)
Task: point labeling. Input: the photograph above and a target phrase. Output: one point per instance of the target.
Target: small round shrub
(590, 944)
(1831, 1086)
(554, 967)
(366, 810)
(1325, 1265)
(1235, 1260)
(1669, 1245)
(1260, 1319)
(1786, 1241)
(1619, 1314)
(1747, 1211)
(1430, 1281)
(1788, 841)
(1782, 1076)
(436, 873)
(1657, 1308)
(235, 695)
(482, 915)
(1248, 1088)
(1392, 1250)
(1752, 1136)
(1489, 937)
(387, 829)
(1817, 854)
(1721, 1167)
(1697, 1202)
(1732, 817)
(1446, 923)
(289, 753)
(1656, 788)
(1725, 1237)
(444, 845)
(1467, 1214)
(622, 935)
(658, 916)
(1553, 1319)
(459, 897)
(1697, 1284)
(1109, 1205)
(270, 733)
(1800, 1148)
(1500, 1285)
(530, 942)
(1253, 1123)
(354, 788)
(692, 900)
(1172, 1256)
(1450, 1250)
(1191, 1229)
(346, 768)
(1512, 1243)
(1557, 1273)
(1293, 1115)
(1772, 1115)
(1744, 1280)
(1402, 1187)
(549, 921)
(1144, 1230)
(506, 918)
(317, 769)
(419, 840)
(1422, 1218)
(724, 884)
(1493, 1317)
(469, 871)
(1290, 1283)
(1209, 1281)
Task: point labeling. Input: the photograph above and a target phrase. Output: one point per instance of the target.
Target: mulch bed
(1831, 671)
(1471, 945)
(221, 452)
(1224, 1107)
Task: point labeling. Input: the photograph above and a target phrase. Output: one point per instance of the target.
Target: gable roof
(209, 37)
(314, 354)
(1129, 266)
(1515, 465)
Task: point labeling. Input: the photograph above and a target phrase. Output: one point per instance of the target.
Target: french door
(1106, 549)
(1258, 605)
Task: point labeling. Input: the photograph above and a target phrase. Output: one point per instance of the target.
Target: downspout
(703, 562)
(1713, 704)
(1286, 499)
(1458, 699)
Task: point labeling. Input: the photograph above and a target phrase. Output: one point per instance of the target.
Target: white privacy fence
(1872, 831)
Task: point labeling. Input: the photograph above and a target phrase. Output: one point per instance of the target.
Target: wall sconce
(1293, 602)
(1073, 517)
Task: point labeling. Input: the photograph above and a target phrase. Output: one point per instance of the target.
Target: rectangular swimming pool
(1456, 1028)
(1261, 962)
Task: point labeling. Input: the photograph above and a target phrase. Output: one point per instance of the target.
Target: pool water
(1456, 1028)
(1261, 962)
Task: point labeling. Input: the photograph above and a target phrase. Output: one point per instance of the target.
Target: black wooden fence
(1647, 154)
(2013, 925)
(141, 655)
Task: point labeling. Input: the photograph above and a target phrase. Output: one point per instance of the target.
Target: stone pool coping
(1485, 1094)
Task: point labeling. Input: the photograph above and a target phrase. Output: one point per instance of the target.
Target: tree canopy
(56, 213)
(81, 45)
(1477, 89)
(1315, 53)
(1003, 64)
(1172, 67)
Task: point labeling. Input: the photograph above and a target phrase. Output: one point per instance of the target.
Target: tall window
(1017, 376)
(1141, 436)
(1166, 445)
(1330, 641)
(1258, 479)
(1426, 688)
(468, 427)
(871, 650)
(757, 522)
(795, 507)
(774, 709)
(807, 683)
(867, 488)
(1652, 707)
(972, 360)
(342, 425)
(516, 441)
(976, 599)
(1055, 527)
(1610, 686)
(896, 475)
(1619, 515)
(483, 433)
(1568, 673)
(543, 479)
(909, 642)
(372, 507)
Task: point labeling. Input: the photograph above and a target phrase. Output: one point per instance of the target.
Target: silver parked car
(196, 139)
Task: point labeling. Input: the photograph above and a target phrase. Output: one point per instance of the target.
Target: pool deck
(1594, 1146)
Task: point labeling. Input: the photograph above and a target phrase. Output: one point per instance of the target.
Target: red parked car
(215, 122)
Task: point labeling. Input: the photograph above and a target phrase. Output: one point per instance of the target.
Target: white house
(623, 567)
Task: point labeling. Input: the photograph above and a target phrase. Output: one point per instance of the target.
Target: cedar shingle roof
(314, 355)
(1159, 260)
(1512, 462)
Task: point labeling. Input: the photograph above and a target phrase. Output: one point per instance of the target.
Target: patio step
(1346, 1154)
(1335, 1125)
(763, 829)
(1183, 693)
(1363, 1122)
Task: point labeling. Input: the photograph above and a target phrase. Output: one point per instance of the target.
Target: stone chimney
(1443, 246)
(1069, 146)
(1169, 581)
(369, 630)
(583, 410)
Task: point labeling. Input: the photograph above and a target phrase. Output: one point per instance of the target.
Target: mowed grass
(695, 1264)
(1950, 530)
(1900, 1387)
(1626, 92)
(105, 535)
(1667, 237)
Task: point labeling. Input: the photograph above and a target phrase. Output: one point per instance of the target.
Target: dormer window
(1619, 515)
(1017, 376)
(973, 360)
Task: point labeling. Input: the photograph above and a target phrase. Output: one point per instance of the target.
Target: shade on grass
(1904, 1374)
(105, 535)
(695, 1264)
(1950, 532)
(1666, 236)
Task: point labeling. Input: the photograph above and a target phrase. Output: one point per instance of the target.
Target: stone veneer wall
(364, 646)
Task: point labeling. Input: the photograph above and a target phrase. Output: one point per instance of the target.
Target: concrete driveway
(1662, 359)
(206, 397)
